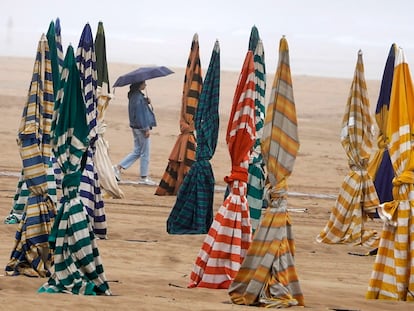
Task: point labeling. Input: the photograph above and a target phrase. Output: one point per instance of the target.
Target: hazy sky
(324, 36)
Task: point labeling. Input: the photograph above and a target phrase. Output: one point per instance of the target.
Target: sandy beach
(149, 269)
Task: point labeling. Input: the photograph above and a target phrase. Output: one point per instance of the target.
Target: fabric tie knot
(406, 177)
(71, 180)
(237, 173)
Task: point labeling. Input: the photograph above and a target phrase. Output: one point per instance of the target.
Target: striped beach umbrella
(22, 193)
(90, 190)
(182, 155)
(193, 209)
(267, 276)
(102, 159)
(256, 179)
(51, 39)
(357, 197)
(229, 236)
(380, 167)
(392, 277)
(60, 57)
(31, 254)
(77, 264)
(58, 32)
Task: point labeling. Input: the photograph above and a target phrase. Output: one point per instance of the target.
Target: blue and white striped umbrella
(90, 190)
(58, 32)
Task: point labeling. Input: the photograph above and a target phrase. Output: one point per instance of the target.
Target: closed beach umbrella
(31, 254)
(380, 167)
(229, 237)
(102, 159)
(392, 277)
(58, 32)
(60, 57)
(193, 209)
(267, 276)
(51, 39)
(182, 155)
(77, 264)
(90, 190)
(357, 197)
(256, 181)
(22, 193)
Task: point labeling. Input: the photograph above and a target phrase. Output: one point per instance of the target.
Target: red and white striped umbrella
(229, 236)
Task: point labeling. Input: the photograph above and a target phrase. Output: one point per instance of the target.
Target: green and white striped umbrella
(77, 264)
(256, 179)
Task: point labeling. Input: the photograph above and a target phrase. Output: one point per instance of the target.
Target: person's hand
(149, 100)
(147, 134)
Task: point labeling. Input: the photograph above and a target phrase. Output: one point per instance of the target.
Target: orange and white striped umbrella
(267, 276)
(229, 236)
(357, 197)
(393, 273)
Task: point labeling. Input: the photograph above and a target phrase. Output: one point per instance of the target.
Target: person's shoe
(117, 173)
(146, 181)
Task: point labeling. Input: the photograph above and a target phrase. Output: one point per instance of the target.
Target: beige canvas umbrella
(102, 159)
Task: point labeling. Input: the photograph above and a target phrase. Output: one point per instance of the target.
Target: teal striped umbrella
(256, 179)
(193, 210)
(78, 267)
(90, 189)
(51, 39)
(31, 255)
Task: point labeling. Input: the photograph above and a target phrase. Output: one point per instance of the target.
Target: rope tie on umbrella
(237, 173)
(185, 128)
(360, 167)
(382, 141)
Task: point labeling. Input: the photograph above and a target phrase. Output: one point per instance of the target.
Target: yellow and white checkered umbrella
(357, 197)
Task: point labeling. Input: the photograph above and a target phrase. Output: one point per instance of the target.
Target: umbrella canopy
(229, 236)
(102, 159)
(77, 265)
(256, 181)
(31, 255)
(182, 155)
(142, 74)
(193, 209)
(22, 193)
(90, 190)
(58, 32)
(392, 277)
(267, 276)
(357, 197)
(51, 38)
(380, 167)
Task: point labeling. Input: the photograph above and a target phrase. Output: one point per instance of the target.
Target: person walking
(141, 120)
